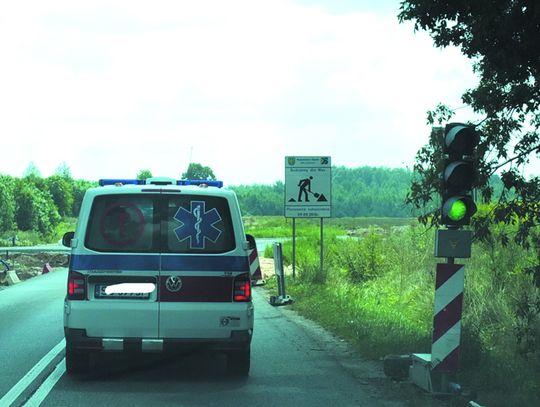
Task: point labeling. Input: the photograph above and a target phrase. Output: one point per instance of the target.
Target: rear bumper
(77, 340)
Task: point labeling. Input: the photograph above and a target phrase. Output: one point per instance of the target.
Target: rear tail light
(242, 289)
(76, 286)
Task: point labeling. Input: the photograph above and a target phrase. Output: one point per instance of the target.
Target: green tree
(260, 199)
(7, 203)
(79, 189)
(198, 171)
(370, 191)
(63, 171)
(35, 209)
(144, 174)
(501, 39)
(61, 190)
(32, 171)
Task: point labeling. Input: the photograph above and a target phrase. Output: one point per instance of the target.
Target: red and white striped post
(254, 264)
(255, 268)
(435, 371)
(446, 339)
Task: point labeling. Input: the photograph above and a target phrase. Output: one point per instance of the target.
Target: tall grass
(32, 238)
(66, 225)
(278, 226)
(22, 238)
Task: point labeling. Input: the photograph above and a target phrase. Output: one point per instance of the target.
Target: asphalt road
(30, 324)
(294, 363)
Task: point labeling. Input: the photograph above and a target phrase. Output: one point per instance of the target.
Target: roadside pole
(446, 338)
(294, 248)
(282, 298)
(322, 245)
(436, 372)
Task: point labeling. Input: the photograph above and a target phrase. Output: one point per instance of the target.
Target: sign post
(308, 193)
(294, 248)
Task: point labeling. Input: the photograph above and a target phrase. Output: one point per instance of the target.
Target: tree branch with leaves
(500, 37)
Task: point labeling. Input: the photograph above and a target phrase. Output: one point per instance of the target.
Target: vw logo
(173, 284)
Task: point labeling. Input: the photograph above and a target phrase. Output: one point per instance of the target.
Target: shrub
(35, 209)
(362, 258)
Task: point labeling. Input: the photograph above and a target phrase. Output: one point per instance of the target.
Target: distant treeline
(363, 191)
(33, 203)
(38, 204)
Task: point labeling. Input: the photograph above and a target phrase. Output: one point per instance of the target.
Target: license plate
(100, 292)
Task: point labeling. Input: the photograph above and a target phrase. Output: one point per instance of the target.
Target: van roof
(119, 188)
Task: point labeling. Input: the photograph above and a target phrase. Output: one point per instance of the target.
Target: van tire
(239, 361)
(77, 362)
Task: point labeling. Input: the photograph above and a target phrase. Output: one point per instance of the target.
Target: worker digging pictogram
(304, 191)
(308, 187)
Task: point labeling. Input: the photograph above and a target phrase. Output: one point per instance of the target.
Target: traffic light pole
(446, 377)
(447, 321)
(435, 372)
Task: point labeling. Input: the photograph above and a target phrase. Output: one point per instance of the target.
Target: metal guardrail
(35, 249)
(6, 265)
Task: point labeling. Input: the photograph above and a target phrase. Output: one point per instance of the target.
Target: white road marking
(32, 374)
(47, 385)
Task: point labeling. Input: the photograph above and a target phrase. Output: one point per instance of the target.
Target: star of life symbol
(197, 225)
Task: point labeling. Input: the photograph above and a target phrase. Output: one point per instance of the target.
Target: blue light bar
(196, 182)
(103, 182)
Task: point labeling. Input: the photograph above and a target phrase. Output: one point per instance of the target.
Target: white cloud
(111, 87)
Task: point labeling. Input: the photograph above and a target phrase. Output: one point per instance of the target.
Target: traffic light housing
(459, 174)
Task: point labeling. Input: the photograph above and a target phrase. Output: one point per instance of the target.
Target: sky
(112, 87)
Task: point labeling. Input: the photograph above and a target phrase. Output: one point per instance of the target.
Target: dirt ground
(267, 267)
(28, 265)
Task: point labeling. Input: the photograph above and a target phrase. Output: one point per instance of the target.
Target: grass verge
(378, 291)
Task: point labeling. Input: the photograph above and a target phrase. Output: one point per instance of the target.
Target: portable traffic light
(459, 173)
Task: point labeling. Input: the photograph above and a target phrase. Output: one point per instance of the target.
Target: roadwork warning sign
(308, 187)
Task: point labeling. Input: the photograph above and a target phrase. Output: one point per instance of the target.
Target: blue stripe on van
(151, 262)
(205, 263)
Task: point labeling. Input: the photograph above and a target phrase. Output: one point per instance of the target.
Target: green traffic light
(457, 210)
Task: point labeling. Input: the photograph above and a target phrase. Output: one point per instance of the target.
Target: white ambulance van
(158, 265)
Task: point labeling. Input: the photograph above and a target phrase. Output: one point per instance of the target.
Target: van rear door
(122, 265)
(198, 265)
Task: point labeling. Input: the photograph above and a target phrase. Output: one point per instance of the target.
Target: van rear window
(195, 224)
(122, 223)
(160, 223)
